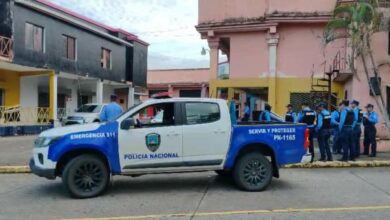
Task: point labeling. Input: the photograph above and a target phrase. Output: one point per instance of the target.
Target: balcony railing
(17, 115)
(6, 48)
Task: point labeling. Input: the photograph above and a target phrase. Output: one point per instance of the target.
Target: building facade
(52, 60)
(277, 55)
(179, 82)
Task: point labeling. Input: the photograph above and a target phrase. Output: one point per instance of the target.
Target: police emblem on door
(153, 141)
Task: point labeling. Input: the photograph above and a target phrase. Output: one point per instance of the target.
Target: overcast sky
(168, 25)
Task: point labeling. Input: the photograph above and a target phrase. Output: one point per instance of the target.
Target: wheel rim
(255, 172)
(88, 177)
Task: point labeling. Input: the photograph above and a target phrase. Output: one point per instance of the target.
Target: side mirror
(127, 124)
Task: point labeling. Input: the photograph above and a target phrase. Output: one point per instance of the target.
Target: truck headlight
(45, 141)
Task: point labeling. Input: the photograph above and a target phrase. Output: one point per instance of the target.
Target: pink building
(179, 82)
(277, 54)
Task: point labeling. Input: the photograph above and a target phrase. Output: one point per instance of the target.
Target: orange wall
(301, 50)
(248, 55)
(301, 5)
(173, 76)
(9, 82)
(218, 10)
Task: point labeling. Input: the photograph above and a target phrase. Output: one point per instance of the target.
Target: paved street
(300, 193)
(16, 150)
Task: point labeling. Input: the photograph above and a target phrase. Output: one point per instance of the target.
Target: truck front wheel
(85, 176)
(253, 172)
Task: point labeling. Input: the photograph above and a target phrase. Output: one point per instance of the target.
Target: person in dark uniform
(265, 115)
(347, 122)
(290, 115)
(369, 121)
(323, 131)
(357, 129)
(335, 120)
(308, 116)
(247, 112)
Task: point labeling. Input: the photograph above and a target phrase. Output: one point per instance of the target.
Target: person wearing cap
(247, 112)
(369, 120)
(323, 130)
(111, 111)
(290, 115)
(334, 121)
(357, 129)
(308, 116)
(265, 115)
(347, 122)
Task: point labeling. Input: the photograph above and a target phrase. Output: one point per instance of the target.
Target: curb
(14, 169)
(339, 164)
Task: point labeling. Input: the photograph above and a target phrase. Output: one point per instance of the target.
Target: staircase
(321, 90)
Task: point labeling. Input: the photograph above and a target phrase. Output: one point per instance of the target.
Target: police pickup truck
(189, 135)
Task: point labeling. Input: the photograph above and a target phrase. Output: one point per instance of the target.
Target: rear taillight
(307, 141)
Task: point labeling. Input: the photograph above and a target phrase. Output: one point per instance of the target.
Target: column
(170, 91)
(130, 97)
(99, 91)
(203, 91)
(272, 40)
(53, 78)
(214, 57)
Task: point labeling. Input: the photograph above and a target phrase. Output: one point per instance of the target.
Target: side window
(161, 114)
(200, 112)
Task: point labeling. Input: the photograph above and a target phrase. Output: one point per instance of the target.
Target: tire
(253, 172)
(86, 176)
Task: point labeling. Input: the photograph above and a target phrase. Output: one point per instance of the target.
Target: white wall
(107, 92)
(29, 89)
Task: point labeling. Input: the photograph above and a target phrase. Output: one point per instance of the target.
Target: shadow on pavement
(150, 184)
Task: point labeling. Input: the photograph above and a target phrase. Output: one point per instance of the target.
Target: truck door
(155, 140)
(206, 133)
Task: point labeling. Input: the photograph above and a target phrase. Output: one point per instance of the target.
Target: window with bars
(69, 50)
(34, 38)
(298, 98)
(106, 58)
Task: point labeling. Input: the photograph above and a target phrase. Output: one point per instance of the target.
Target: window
(34, 37)
(161, 114)
(190, 93)
(1, 97)
(106, 58)
(199, 113)
(388, 44)
(69, 50)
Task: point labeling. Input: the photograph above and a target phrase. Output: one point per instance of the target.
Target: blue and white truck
(170, 135)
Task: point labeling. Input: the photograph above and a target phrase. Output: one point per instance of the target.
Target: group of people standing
(343, 123)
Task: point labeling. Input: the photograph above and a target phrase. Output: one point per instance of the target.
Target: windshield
(89, 108)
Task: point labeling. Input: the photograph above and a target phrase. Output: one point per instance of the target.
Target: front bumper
(47, 173)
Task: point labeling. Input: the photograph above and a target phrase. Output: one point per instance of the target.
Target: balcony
(6, 49)
(340, 69)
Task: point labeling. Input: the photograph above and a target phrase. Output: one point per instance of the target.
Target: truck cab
(167, 136)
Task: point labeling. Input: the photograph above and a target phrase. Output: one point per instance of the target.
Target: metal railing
(6, 48)
(17, 115)
(62, 113)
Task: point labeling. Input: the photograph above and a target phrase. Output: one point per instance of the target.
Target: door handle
(174, 134)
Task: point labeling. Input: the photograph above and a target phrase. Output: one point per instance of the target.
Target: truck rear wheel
(85, 176)
(253, 172)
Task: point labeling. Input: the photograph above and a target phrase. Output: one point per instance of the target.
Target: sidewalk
(16, 151)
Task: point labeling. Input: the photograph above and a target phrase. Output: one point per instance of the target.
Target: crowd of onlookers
(343, 124)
